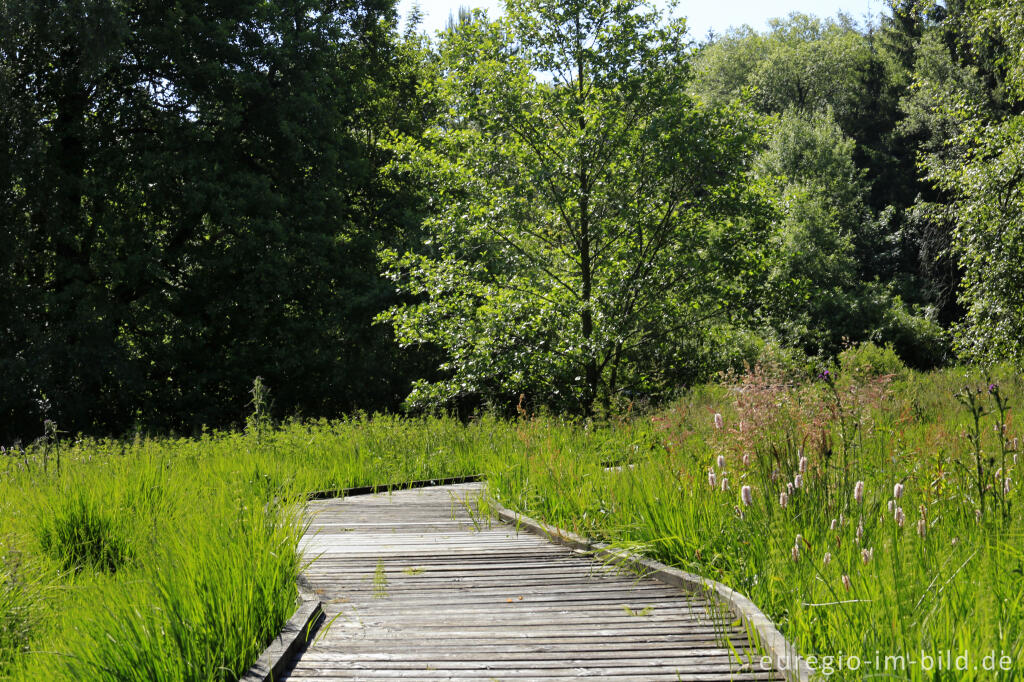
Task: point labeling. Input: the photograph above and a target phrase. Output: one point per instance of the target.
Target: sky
(717, 15)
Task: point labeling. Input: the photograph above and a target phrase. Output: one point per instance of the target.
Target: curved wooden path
(422, 587)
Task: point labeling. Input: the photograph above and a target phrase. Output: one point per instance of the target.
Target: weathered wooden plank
(420, 589)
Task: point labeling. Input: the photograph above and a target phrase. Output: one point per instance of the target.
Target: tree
(190, 190)
(981, 167)
(584, 229)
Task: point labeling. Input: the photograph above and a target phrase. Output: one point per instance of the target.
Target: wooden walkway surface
(422, 588)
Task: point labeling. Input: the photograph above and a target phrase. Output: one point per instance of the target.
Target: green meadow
(867, 511)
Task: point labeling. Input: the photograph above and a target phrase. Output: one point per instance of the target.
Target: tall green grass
(895, 582)
(175, 559)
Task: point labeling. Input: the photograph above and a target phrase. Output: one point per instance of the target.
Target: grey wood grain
(418, 585)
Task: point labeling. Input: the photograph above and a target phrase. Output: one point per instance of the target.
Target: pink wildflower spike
(725, 483)
(846, 582)
(795, 552)
(867, 554)
(858, 492)
(783, 500)
(922, 527)
(746, 460)
(977, 515)
(899, 516)
(803, 465)
(746, 495)
(798, 481)
(1006, 486)
(827, 559)
(860, 531)
(952, 543)
(789, 487)
(834, 524)
(711, 477)
(897, 491)
(719, 422)
(721, 461)
(892, 506)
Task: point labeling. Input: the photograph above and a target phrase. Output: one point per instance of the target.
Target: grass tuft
(79, 534)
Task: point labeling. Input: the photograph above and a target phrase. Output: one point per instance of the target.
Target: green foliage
(19, 606)
(866, 360)
(189, 196)
(583, 227)
(981, 168)
(79, 534)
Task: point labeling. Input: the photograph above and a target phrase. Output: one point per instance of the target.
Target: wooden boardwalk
(422, 588)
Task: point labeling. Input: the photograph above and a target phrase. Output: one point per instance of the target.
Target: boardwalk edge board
(391, 487)
(784, 655)
(300, 629)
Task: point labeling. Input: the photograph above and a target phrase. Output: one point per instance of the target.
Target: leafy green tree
(982, 168)
(817, 295)
(583, 232)
(191, 194)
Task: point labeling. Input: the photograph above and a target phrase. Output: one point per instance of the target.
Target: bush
(866, 360)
